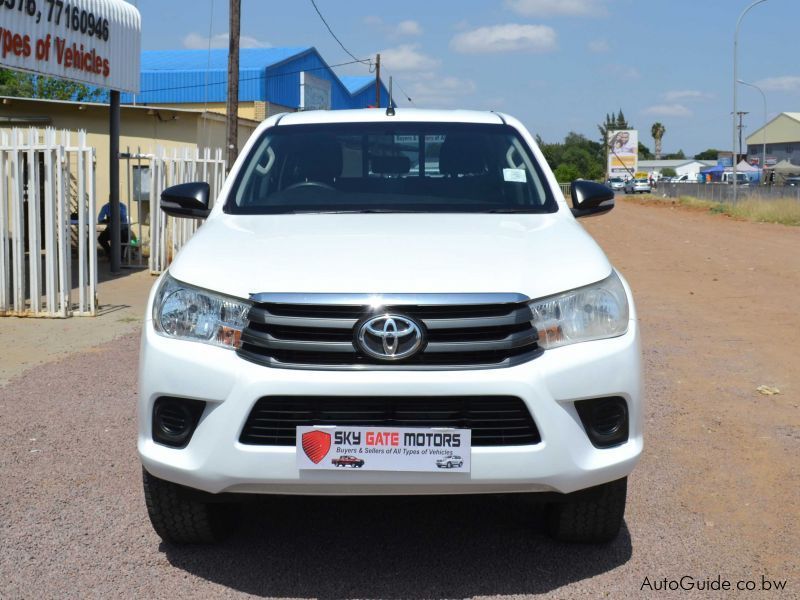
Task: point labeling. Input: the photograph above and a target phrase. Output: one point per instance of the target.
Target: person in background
(104, 239)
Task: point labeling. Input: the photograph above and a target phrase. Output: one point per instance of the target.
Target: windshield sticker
(515, 175)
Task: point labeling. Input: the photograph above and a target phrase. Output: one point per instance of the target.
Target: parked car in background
(636, 186)
(792, 181)
(741, 178)
(616, 183)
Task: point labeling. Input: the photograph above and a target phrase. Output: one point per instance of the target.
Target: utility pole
(735, 79)
(232, 109)
(378, 81)
(740, 114)
(113, 176)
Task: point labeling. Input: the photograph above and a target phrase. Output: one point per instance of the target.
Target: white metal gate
(167, 234)
(47, 211)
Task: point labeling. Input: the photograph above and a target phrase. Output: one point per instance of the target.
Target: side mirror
(590, 198)
(187, 200)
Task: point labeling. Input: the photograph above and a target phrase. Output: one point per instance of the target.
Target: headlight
(593, 312)
(188, 313)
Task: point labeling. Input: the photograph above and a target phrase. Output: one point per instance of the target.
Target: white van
(741, 178)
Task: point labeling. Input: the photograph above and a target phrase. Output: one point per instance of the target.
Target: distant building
(690, 167)
(271, 80)
(782, 135)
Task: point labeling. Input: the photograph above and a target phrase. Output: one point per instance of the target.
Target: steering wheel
(317, 184)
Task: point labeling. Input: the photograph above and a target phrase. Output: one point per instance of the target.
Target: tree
(668, 172)
(14, 83)
(611, 123)
(710, 154)
(679, 155)
(657, 131)
(26, 85)
(577, 157)
(565, 173)
(644, 152)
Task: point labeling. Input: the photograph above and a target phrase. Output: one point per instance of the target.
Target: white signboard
(623, 152)
(315, 92)
(384, 449)
(96, 42)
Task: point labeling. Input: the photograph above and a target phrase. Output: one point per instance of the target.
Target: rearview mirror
(187, 200)
(590, 198)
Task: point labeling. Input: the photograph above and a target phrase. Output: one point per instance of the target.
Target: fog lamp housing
(175, 420)
(605, 420)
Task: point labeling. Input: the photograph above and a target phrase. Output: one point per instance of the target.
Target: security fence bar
(47, 208)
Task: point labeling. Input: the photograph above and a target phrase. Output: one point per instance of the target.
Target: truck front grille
(493, 420)
(460, 335)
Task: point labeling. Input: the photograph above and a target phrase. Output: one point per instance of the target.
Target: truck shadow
(396, 547)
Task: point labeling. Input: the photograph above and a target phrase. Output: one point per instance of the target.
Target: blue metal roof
(265, 74)
(355, 83)
(217, 59)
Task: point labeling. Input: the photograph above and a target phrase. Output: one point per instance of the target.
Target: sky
(557, 65)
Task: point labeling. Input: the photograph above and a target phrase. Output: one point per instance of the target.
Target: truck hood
(535, 255)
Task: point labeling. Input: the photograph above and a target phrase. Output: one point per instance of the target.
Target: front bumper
(565, 460)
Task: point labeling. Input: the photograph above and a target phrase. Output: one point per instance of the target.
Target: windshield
(403, 167)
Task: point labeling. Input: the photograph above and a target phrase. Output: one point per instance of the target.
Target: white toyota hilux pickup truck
(381, 291)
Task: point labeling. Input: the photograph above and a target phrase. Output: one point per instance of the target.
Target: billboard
(623, 152)
(315, 92)
(95, 42)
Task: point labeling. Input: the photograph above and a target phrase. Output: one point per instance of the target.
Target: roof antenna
(390, 108)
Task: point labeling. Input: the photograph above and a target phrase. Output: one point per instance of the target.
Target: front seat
(319, 158)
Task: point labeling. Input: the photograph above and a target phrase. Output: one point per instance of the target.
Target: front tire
(180, 518)
(594, 518)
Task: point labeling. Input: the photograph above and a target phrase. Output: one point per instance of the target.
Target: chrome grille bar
(320, 331)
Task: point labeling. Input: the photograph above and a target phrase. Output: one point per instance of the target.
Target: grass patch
(785, 211)
(692, 202)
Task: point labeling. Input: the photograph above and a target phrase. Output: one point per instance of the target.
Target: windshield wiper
(510, 210)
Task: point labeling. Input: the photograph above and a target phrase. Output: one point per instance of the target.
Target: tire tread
(594, 519)
(180, 519)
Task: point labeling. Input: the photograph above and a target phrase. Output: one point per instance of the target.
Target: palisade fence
(723, 192)
(168, 234)
(47, 216)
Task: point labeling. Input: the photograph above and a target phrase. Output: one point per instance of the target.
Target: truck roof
(378, 115)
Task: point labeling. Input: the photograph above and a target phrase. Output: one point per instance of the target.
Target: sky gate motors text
(392, 438)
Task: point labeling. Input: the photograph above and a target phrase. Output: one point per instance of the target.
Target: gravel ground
(715, 495)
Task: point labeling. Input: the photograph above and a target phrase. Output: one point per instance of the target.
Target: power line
(404, 92)
(361, 60)
(265, 76)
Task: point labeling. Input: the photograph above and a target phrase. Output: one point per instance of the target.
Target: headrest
(462, 154)
(320, 159)
(390, 165)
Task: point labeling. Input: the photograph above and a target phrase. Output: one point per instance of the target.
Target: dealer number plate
(384, 449)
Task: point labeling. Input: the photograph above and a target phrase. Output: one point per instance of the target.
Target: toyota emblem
(390, 337)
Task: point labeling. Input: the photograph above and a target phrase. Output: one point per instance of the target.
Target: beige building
(782, 138)
(143, 129)
(255, 110)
